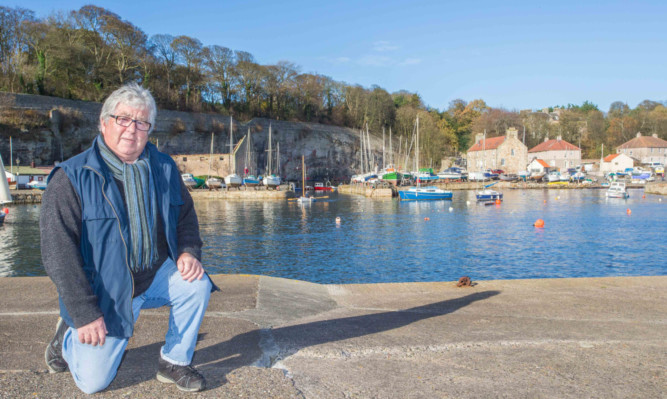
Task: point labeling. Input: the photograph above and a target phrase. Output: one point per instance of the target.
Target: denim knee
(93, 383)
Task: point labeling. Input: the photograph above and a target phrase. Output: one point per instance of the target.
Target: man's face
(127, 142)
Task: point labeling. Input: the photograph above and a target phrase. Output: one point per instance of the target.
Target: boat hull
(489, 195)
(425, 193)
(233, 181)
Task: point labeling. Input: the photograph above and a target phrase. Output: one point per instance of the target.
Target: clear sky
(512, 54)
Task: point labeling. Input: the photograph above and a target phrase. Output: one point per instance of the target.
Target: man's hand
(190, 267)
(93, 333)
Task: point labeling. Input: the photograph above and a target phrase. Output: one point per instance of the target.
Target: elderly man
(119, 234)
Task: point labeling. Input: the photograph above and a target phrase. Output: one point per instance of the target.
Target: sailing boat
(418, 192)
(5, 197)
(271, 180)
(212, 182)
(249, 179)
(232, 179)
(303, 198)
(486, 194)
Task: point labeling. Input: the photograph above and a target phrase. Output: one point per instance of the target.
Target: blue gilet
(105, 234)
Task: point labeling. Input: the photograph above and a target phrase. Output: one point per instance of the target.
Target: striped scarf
(141, 204)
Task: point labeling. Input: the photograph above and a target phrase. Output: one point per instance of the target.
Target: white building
(616, 163)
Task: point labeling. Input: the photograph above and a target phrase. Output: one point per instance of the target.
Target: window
(502, 161)
(201, 159)
(512, 151)
(185, 159)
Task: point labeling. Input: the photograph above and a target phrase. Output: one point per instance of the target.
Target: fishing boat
(232, 179)
(323, 187)
(271, 180)
(391, 175)
(486, 194)
(617, 190)
(553, 176)
(450, 174)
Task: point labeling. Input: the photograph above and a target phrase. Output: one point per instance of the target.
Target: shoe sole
(168, 380)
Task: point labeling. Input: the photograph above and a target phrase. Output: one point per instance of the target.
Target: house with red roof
(503, 152)
(558, 153)
(538, 167)
(647, 149)
(614, 163)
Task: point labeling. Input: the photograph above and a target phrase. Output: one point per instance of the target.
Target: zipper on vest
(120, 231)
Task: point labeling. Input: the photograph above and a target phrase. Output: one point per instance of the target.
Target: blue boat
(425, 193)
(489, 195)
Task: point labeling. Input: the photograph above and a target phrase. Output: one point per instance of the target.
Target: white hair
(132, 95)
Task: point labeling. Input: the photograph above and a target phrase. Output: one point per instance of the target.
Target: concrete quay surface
(266, 337)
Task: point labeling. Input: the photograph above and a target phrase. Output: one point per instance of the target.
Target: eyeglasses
(127, 121)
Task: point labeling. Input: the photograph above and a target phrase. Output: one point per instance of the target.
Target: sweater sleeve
(60, 231)
(188, 226)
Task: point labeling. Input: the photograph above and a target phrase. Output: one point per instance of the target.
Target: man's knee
(93, 382)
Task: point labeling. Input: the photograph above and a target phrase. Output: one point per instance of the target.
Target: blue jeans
(94, 367)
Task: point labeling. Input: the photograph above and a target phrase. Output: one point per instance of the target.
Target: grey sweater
(60, 229)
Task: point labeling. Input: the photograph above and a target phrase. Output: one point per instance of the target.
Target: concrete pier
(266, 337)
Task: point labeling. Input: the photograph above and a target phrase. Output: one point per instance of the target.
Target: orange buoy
(426, 219)
(6, 211)
(545, 201)
(644, 196)
(629, 212)
(539, 223)
(497, 201)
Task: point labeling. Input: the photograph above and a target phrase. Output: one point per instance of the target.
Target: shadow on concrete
(217, 360)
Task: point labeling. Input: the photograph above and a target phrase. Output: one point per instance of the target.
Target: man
(119, 234)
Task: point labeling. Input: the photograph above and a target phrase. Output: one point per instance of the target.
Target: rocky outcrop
(331, 152)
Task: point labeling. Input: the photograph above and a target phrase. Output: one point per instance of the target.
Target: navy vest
(105, 234)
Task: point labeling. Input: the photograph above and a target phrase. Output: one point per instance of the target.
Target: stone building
(558, 153)
(646, 149)
(198, 164)
(503, 152)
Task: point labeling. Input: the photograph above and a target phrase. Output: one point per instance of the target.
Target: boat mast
(278, 159)
(369, 153)
(383, 164)
(391, 151)
(210, 158)
(417, 146)
(361, 150)
(231, 146)
(303, 176)
(270, 169)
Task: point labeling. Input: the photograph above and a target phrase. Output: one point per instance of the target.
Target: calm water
(390, 241)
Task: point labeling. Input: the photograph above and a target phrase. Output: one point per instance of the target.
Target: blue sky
(511, 54)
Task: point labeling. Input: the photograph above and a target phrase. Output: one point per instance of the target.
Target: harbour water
(585, 235)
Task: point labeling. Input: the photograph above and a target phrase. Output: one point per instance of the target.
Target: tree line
(85, 54)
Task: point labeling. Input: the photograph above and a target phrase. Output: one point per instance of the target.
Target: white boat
(271, 180)
(215, 183)
(5, 196)
(486, 194)
(189, 180)
(617, 190)
(303, 199)
(37, 185)
(553, 176)
(232, 179)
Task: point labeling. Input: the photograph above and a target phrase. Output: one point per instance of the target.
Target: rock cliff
(45, 130)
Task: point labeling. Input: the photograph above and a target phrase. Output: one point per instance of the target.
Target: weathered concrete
(656, 188)
(268, 337)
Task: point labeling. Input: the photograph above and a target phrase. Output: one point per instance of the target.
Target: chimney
(639, 134)
(558, 138)
(546, 138)
(479, 137)
(655, 135)
(512, 132)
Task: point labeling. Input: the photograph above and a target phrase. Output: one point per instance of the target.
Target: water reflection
(586, 234)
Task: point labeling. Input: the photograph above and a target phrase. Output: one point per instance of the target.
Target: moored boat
(425, 193)
(617, 190)
(214, 183)
(322, 187)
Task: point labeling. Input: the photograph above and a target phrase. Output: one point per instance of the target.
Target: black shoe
(186, 378)
(54, 350)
